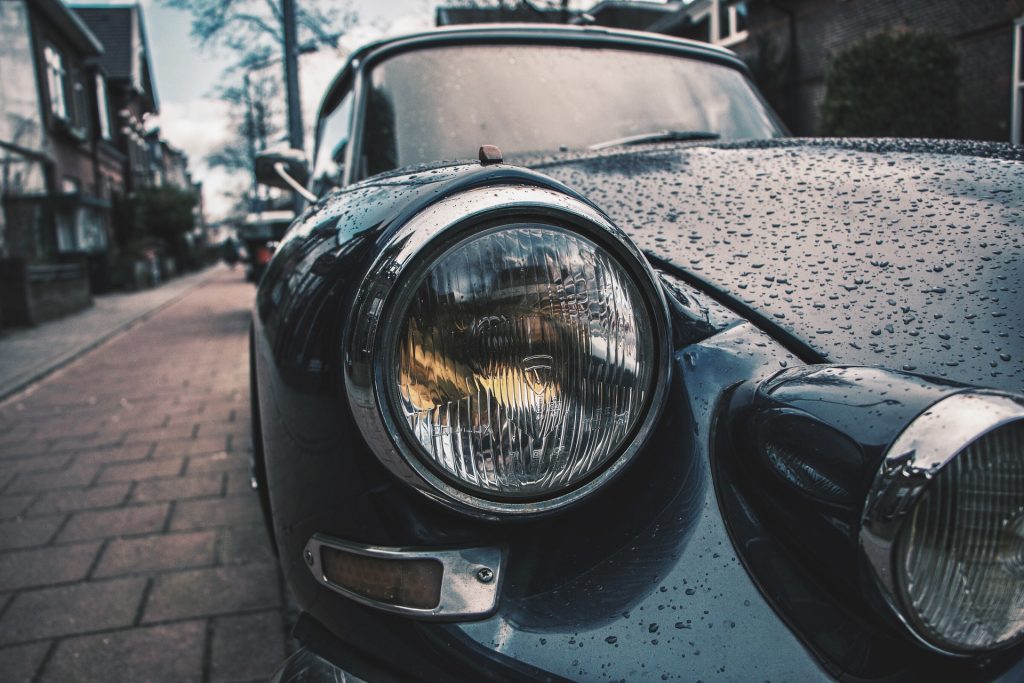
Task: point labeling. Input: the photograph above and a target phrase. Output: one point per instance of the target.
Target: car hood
(905, 254)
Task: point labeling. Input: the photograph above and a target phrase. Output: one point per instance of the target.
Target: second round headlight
(960, 557)
(522, 358)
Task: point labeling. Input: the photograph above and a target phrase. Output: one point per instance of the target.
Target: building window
(101, 106)
(80, 107)
(732, 23)
(56, 78)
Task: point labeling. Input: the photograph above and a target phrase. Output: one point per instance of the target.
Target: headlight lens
(960, 556)
(943, 525)
(523, 359)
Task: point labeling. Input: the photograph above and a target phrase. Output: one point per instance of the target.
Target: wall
(20, 126)
(981, 31)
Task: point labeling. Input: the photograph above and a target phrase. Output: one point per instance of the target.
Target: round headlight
(961, 554)
(522, 361)
(509, 351)
(944, 526)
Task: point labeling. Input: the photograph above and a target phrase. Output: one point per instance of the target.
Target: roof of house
(125, 58)
(71, 26)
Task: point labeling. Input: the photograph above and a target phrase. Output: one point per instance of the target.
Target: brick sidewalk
(27, 354)
(131, 548)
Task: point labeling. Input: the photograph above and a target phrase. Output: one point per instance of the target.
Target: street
(131, 547)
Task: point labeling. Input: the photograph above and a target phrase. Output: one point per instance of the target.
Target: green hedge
(893, 85)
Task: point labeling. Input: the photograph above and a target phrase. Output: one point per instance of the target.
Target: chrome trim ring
(931, 441)
(364, 377)
(470, 582)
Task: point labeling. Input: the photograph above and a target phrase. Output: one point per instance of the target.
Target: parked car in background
(643, 391)
(260, 233)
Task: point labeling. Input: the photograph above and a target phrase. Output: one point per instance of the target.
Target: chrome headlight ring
(920, 466)
(390, 278)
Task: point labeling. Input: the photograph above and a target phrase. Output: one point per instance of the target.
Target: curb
(9, 393)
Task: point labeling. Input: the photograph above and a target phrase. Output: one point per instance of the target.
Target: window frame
(320, 151)
(56, 81)
(103, 107)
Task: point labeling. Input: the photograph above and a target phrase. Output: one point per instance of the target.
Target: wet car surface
(907, 254)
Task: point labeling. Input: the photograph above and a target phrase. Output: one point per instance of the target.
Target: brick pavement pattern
(131, 548)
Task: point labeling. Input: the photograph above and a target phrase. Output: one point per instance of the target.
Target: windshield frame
(356, 70)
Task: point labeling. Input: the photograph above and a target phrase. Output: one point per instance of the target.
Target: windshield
(443, 103)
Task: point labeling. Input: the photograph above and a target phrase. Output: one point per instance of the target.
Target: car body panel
(767, 252)
(903, 254)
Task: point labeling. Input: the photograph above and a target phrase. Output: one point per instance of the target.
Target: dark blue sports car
(643, 389)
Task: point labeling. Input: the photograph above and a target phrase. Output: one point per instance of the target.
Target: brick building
(132, 90)
(75, 92)
(55, 131)
(54, 136)
(788, 44)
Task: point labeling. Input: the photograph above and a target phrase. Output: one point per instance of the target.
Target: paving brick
(247, 647)
(242, 544)
(46, 566)
(217, 462)
(137, 418)
(239, 482)
(206, 513)
(242, 442)
(22, 448)
(208, 429)
(156, 553)
(177, 488)
(25, 533)
(66, 610)
(75, 475)
(74, 444)
(136, 519)
(106, 456)
(70, 500)
(14, 504)
(36, 463)
(138, 471)
(70, 426)
(217, 444)
(19, 663)
(219, 590)
(160, 434)
(156, 654)
(184, 412)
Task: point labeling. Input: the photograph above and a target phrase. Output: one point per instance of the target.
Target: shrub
(165, 212)
(892, 85)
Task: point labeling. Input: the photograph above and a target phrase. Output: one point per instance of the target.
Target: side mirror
(284, 168)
